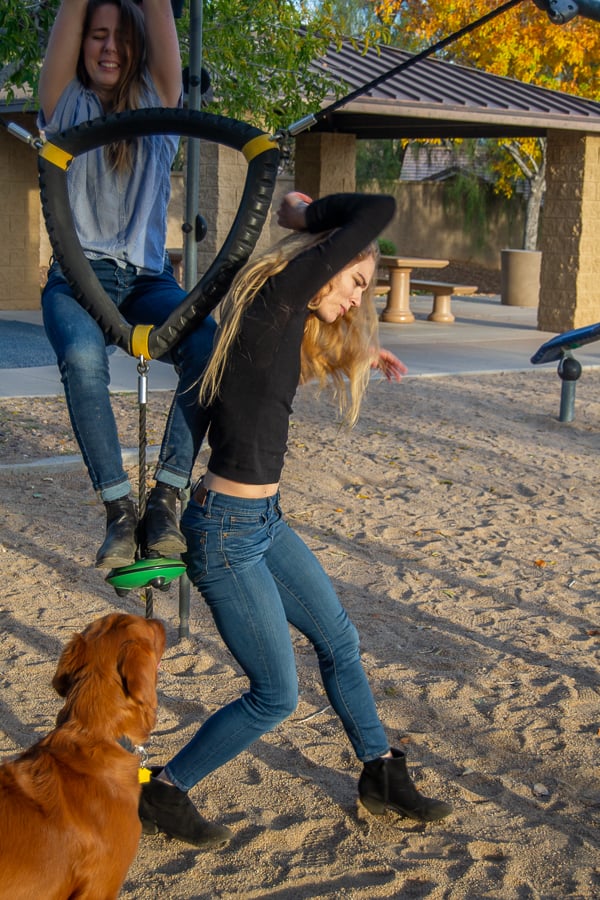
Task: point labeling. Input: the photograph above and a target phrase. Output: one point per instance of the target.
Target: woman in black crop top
(302, 310)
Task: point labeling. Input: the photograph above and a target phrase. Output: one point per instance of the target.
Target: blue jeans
(81, 351)
(257, 576)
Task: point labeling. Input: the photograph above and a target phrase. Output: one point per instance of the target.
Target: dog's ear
(137, 666)
(72, 659)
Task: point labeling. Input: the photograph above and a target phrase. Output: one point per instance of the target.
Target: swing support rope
(314, 118)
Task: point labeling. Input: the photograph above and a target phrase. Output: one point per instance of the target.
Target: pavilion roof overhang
(435, 98)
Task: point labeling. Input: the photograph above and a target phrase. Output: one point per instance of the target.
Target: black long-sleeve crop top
(249, 420)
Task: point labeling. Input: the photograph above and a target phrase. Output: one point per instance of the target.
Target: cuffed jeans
(81, 351)
(257, 576)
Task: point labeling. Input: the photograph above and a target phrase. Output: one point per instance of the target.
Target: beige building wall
(19, 221)
(425, 225)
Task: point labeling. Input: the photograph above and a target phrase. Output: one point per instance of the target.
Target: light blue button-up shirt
(122, 216)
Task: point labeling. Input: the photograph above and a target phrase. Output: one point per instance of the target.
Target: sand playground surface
(459, 523)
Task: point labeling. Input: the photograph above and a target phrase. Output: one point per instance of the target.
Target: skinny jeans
(82, 351)
(258, 577)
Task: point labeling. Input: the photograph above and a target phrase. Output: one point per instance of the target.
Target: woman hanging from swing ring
(303, 310)
(109, 56)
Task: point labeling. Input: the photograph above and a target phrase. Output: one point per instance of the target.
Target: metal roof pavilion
(432, 99)
(436, 98)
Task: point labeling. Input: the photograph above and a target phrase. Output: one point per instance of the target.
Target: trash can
(520, 277)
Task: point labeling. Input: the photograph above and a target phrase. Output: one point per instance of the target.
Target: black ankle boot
(163, 807)
(120, 543)
(386, 784)
(160, 529)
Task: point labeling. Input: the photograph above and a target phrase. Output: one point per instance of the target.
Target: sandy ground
(459, 523)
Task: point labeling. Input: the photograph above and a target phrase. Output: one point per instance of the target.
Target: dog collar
(144, 773)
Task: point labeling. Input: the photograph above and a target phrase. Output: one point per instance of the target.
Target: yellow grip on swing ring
(56, 155)
(139, 341)
(258, 145)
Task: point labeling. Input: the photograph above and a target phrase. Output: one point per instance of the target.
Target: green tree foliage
(379, 161)
(259, 53)
(24, 29)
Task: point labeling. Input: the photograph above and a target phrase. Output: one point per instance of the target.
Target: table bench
(442, 296)
(399, 269)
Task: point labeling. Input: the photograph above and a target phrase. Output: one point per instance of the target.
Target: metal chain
(142, 444)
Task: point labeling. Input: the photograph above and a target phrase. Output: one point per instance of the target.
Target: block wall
(222, 178)
(19, 221)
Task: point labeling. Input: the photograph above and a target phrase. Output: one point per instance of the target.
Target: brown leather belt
(200, 495)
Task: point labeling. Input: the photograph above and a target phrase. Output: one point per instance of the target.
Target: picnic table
(398, 299)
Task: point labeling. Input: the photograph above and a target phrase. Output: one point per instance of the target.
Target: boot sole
(149, 827)
(375, 807)
(114, 562)
(165, 549)
(378, 808)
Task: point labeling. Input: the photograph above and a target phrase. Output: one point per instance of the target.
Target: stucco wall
(426, 226)
(422, 226)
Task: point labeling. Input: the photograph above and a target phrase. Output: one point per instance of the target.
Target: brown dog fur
(69, 825)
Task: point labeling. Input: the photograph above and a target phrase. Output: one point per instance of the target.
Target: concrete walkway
(486, 337)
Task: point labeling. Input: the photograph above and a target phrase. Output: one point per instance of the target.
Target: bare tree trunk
(535, 173)
(537, 186)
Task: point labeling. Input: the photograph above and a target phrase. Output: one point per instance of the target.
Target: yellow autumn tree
(522, 43)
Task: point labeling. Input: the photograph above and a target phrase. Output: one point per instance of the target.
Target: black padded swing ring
(262, 155)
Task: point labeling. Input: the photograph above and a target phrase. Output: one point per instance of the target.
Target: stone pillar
(570, 271)
(222, 177)
(325, 163)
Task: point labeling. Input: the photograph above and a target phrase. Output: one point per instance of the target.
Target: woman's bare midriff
(221, 485)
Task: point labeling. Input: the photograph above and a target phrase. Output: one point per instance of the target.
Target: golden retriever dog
(69, 825)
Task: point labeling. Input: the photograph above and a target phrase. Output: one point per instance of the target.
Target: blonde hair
(337, 354)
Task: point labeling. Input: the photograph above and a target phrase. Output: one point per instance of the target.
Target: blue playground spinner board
(557, 346)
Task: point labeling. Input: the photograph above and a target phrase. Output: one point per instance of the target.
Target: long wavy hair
(132, 50)
(336, 354)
